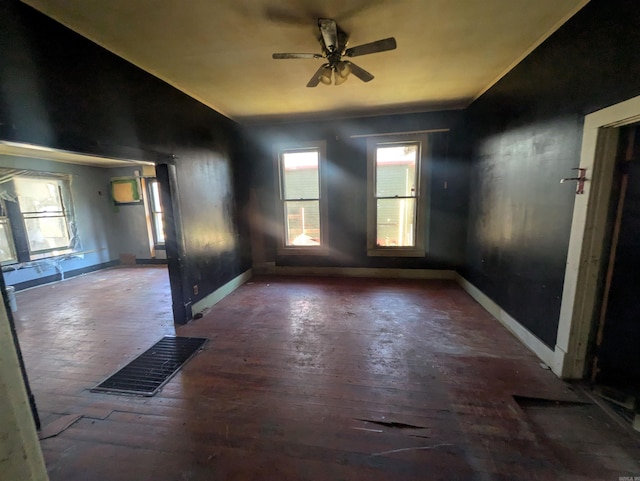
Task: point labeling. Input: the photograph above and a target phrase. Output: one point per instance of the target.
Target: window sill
(303, 251)
(395, 252)
(41, 261)
(43, 256)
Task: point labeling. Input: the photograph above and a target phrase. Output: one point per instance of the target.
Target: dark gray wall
(60, 90)
(346, 178)
(527, 133)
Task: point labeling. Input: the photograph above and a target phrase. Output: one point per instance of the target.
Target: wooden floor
(306, 379)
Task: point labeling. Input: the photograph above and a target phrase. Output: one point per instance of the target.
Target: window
(7, 249)
(35, 216)
(44, 215)
(301, 199)
(155, 208)
(396, 205)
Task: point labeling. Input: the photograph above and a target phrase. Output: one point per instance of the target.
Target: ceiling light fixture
(334, 47)
(325, 75)
(343, 69)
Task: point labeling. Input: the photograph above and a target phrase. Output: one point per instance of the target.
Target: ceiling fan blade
(373, 47)
(296, 55)
(329, 31)
(315, 80)
(361, 73)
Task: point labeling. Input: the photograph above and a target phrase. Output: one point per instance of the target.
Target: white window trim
(422, 205)
(323, 248)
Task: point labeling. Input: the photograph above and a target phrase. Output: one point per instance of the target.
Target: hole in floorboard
(391, 424)
(526, 401)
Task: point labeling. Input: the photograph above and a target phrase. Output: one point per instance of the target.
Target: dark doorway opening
(615, 368)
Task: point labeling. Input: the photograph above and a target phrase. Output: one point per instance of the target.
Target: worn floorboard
(306, 379)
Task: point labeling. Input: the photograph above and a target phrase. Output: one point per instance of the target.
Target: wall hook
(581, 179)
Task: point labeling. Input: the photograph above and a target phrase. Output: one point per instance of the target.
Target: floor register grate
(147, 373)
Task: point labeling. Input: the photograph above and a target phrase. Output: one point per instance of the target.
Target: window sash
(155, 208)
(43, 234)
(411, 185)
(307, 165)
(154, 188)
(302, 222)
(158, 227)
(38, 226)
(396, 231)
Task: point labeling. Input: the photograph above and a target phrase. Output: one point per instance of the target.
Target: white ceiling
(219, 52)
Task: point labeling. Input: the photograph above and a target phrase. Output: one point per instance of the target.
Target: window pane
(395, 222)
(6, 243)
(300, 175)
(159, 227)
(396, 170)
(38, 195)
(46, 233)
(156, 206)
(43, 212)
(302, 220)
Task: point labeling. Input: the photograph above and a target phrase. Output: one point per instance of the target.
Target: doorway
(590, 228)
(60, 218)
(615, 365)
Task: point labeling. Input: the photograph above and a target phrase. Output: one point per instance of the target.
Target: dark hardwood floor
(306, 379)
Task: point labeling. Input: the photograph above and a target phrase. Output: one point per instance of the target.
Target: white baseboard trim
(540, 349)
(222, 292)
(373, 272)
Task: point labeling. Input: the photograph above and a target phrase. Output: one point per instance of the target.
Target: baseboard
(41, 281)
(154, 261)
(539, 348)
(222, 292)
(373, 272)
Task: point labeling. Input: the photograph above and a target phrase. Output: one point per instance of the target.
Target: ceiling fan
(334, 48)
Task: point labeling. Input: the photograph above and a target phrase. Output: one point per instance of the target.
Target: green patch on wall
(125, 191)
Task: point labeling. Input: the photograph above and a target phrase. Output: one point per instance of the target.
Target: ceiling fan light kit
(343, 69)
(325, 76)
(334, 46)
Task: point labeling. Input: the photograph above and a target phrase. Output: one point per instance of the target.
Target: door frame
(588, 232)
(167, 176)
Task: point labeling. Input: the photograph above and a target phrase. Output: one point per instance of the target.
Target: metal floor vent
(147, 373)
